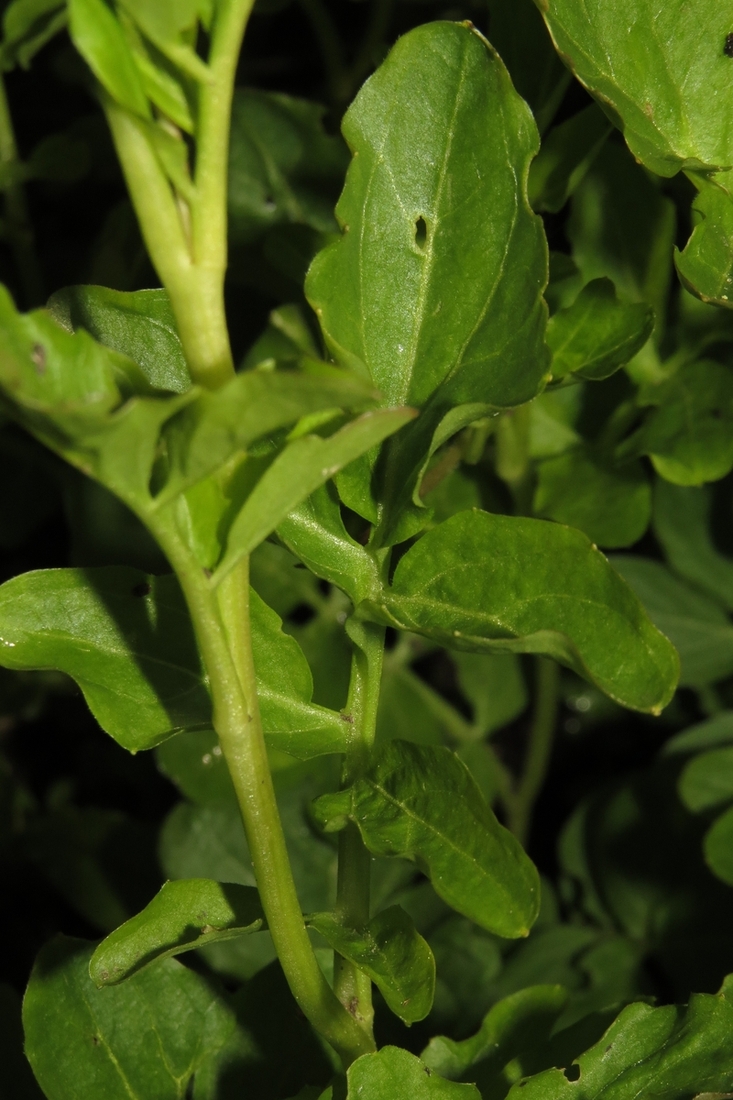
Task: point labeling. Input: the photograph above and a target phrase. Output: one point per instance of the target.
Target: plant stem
(221, 621)
(18, 225)
(351, 985)
(539, 749)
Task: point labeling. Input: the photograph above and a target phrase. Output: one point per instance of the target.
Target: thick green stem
(17, 221)
(221, 621)
(352, 986)
(539, 749)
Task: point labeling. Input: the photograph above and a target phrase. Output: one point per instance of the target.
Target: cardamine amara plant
(312, 510)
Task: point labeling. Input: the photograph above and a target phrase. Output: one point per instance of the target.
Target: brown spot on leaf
(38, 356)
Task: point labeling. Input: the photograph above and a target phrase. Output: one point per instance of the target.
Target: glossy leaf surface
(182, 916)
(498, 583)
(635, 56)
(139, 324)
(597, 334)
(670, 1053)
(145, 1038)
(394, 955)
(705, 266)
(698, 627)
(298, 471)
(413, 214)
(611, 505)
(394, 1072)
(125, 638)
(420, 802)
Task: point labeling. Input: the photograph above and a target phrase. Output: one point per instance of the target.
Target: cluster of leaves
(477, 415)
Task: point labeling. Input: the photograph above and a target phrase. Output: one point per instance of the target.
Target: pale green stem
(17, 221)
(539, 749)
(221, 622)
(352, 985)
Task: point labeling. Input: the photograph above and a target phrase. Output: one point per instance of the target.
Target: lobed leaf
(635, 56)
(420, 802)
(183, 916)
(145, 1038)
(394, 955)
(139, 324)
(509, 1027)
(597, 334)
(497, 583)
(426, 169)
(395, 1072)
(671, 1053)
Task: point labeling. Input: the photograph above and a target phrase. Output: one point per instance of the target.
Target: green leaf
(182, 916)
(681, 523)
(635, 61)
(671, 1053)
(419, 802)
(395, 1072)
(27, 26)
(698, 628)
(689, 434)
(703, 735)
(516, 1022)
(493, 583)
(494, 686)
(564, 158)
(518, 34)
(705, 266)
(597, 334)
(611, 504)
(17, 1076)
(315, 532)
(145, 1038)
(283, 166)
(286, 339)
(707, 781)
(195, 763)
(392, 953)
(126, 638)
(718, 847)
(100, 40)
(221, 423)
(298, 471)
(413, 214)
(292, 723)
(622, 227)
(139, 324)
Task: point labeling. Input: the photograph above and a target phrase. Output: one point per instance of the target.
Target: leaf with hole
(413, 213)
(419, 802)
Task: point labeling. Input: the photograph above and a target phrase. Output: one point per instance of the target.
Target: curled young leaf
(498, 583)
(394, 955)
(420, 802)
(183, 916)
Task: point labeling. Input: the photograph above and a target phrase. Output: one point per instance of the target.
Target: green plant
(474, 417)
